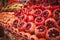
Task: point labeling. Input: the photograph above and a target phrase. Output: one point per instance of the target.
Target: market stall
(30, 20)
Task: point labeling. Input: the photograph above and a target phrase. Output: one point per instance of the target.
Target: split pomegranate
(15, 23)
(58, 24)
(36, 20)
(30, 27)
(33, 37)
(56, 14)
(23, 17)
(30, 11)
(26, 36)
(21, 25)
(50, 22)
(37, 12)
(46, 14)
(39, 20)
(53, 34)
(21, 34)
(40, 30)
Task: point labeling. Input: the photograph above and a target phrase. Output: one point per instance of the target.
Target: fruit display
(38, 21)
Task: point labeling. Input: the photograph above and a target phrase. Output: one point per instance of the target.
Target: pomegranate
(33, 37)
(53, 34)
(37, 12)
(21, 26)
(50, 22)
(56, 14)
(39, 20)
(40, 30)
(46, 14)
(58, 24)
(30, 27)
(26, 36)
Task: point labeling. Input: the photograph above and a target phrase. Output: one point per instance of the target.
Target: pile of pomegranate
(38, 22)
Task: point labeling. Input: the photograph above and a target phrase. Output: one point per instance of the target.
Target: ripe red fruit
(15, 30)
(33, 37)
(41, 30)
(21, 25)
(30, 11)
(39, 20)
(56, 14)
(21, 35)
(18, 12)
(50, 22)
(37, 12)
(23, 17)
(53, 34)
(46, 14)
(14, 22)
(30, 27)
(7, 26)
(58, 24)
(26, 36)
(30, 18)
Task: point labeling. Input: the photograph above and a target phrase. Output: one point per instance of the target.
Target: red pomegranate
(40, 30)
(56, 14)
(53, 34)
(37, 12)
(46, 13)
(39, 20)
(58, 24)
(51, 22)
(30, 18)
(21, 35)
(26, 36)
(30, 27)
(21, 26)
(33, 37)
(23, 17)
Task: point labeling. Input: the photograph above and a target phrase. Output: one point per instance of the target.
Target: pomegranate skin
(33, 37)
(46, 13)
(30, 27)
(50, 22)
(56, 14)
(58, 24)
(26, 36)
(53, 34)
(39, 20)
(40, 31)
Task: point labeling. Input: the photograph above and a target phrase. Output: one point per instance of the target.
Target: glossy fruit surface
(39, 20)
(53, 34)
(36, 20)
(40, 30)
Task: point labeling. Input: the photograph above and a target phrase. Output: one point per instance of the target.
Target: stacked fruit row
(35, 23)
(38, 22)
